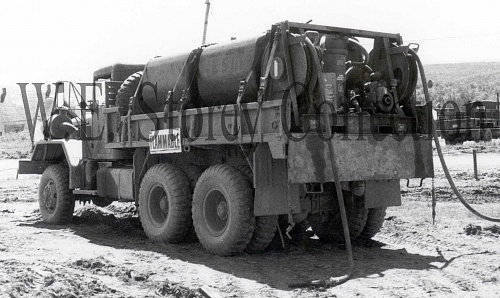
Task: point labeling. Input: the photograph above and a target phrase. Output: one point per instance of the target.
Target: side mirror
(430, 84)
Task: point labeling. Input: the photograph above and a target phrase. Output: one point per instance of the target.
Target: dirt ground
(104, 252)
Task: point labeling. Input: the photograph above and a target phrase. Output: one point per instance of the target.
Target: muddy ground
(104, 252)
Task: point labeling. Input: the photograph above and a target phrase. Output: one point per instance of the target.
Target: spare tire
(126, 91)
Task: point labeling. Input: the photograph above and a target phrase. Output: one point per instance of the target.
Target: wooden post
(474, 158)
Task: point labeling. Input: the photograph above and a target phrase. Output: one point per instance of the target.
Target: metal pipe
(203, 41)
(474, 159)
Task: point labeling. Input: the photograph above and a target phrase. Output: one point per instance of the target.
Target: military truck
(231, 138)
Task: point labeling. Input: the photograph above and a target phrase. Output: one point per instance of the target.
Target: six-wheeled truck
(230, 139)
(474, 121)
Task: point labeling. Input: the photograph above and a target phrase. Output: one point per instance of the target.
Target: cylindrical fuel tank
(214, 81)
(163, 72)
(223, 66)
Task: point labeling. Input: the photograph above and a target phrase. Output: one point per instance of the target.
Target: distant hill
(462, 82)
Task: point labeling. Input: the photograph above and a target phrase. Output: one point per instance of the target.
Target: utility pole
(206, 23)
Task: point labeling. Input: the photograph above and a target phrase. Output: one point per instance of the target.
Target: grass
(15, 145)
(467, 147)
(448, 214)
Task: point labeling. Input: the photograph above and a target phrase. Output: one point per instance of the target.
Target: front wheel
(223, 210)
(54, 195)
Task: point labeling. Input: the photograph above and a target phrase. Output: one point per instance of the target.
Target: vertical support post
(497, 112)
(207, 11)
(433, 193)
(474, 158)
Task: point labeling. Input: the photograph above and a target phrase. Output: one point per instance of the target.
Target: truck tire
(193, 173)
(54, 195)
(374, 222)
(127, 90)
(487, 135)
(332, 231)
(102, 202)
(265, 229)
(265, 226)
(165, 204)
(246, 171)
(223, 210)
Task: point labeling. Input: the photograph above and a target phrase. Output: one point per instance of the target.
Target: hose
(440, 151)
(332, 281)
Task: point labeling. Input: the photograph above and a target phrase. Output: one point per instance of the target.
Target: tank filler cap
(278, 69)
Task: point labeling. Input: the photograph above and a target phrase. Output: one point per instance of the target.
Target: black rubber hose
(332, 281)
(438, 146)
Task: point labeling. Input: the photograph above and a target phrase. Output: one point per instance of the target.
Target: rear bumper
(360, 157)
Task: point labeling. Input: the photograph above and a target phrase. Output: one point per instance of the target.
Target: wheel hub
(50, 196)
(216, 212)
(158, 205)
(164, 204)
(222, 210)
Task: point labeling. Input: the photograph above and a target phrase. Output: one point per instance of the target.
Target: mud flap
(382, 193)
(273, 194)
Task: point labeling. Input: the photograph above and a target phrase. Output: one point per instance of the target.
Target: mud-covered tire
(165, 204)
(487, 135)
(127, 89)
(265, 229)
(54, 196)
(102, 202)
(374, 222)
(193, 173)
(265, 226)
(246, 171)
(332, 231)
(223, 210)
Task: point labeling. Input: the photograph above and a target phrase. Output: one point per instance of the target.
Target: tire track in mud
(462, 282)
(83, 278)
(135, 280)
(465, 282)
(396, 233)
(19, 279)
(424, 242)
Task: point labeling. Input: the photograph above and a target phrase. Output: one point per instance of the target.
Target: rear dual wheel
(331, 231)
(165, 204)
(374, 222)
(223, 210)
(265, 226)
(487, 135)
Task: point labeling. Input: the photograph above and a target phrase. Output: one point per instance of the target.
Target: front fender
(45, 153)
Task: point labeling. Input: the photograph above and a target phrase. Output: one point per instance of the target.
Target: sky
(46, 41)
